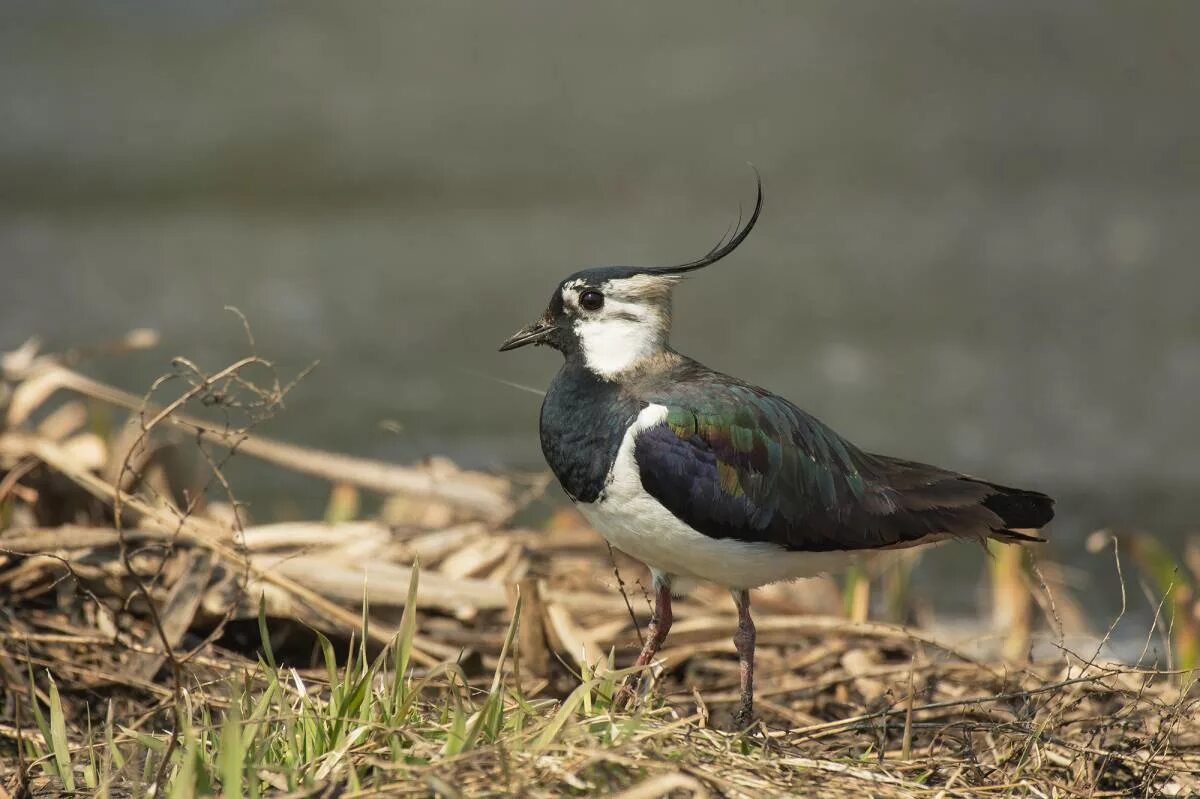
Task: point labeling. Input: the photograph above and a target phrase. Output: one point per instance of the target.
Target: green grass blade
(91, 770)
(184, 782)
(258, 715)
(110, 743)
(551, 730)
(144, 740)
(331, 669)
(509, 637)
(456, 736)
(265, 634)
(351, 663)
(231, 755)
(40, 718)
(338, 755)
(365, 624)
(403, 644)
(58, 733)
(491, 715)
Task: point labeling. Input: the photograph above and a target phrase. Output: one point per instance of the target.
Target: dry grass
(155, 640)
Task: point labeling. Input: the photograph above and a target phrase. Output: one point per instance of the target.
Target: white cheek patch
(633, 323)
(613, 345)
(620, 335)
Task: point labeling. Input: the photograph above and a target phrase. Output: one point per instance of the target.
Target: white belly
(639, 525)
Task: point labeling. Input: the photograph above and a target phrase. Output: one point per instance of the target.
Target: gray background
(978, 247)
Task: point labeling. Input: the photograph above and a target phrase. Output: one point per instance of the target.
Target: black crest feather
(721, 250)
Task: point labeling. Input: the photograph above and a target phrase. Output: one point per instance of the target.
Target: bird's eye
(591, 300)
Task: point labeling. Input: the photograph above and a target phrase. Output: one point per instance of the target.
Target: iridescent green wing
(734, 461)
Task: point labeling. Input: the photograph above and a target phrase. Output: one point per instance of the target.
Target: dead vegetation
(154, 639)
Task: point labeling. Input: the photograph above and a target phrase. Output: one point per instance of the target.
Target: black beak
(530, 334)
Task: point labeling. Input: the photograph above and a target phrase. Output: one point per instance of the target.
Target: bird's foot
(623, 698)
(744, 716)
(630, 691)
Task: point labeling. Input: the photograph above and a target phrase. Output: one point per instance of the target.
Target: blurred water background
(978, 247)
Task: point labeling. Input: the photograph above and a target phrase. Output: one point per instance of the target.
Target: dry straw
(155, 639)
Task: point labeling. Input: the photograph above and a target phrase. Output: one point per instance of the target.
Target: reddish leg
(656, 632)
(660, 622)
(743, 641)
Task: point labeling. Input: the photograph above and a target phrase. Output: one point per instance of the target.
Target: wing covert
(741, 463)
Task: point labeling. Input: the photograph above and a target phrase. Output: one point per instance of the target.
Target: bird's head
(614, 317)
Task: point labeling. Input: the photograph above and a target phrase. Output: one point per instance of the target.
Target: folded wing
(738, 462)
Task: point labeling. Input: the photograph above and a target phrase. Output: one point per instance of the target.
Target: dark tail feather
(1023, 512)
(1017, 537)
(925, 500)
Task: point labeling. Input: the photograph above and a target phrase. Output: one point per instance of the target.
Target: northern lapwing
(704, 476)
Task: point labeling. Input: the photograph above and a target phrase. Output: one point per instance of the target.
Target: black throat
(583, 421)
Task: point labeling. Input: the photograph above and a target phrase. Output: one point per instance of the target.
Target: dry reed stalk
(479, 494)
(851, 709)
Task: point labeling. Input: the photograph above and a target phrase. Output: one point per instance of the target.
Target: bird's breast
(583, 422)
(639, 525)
